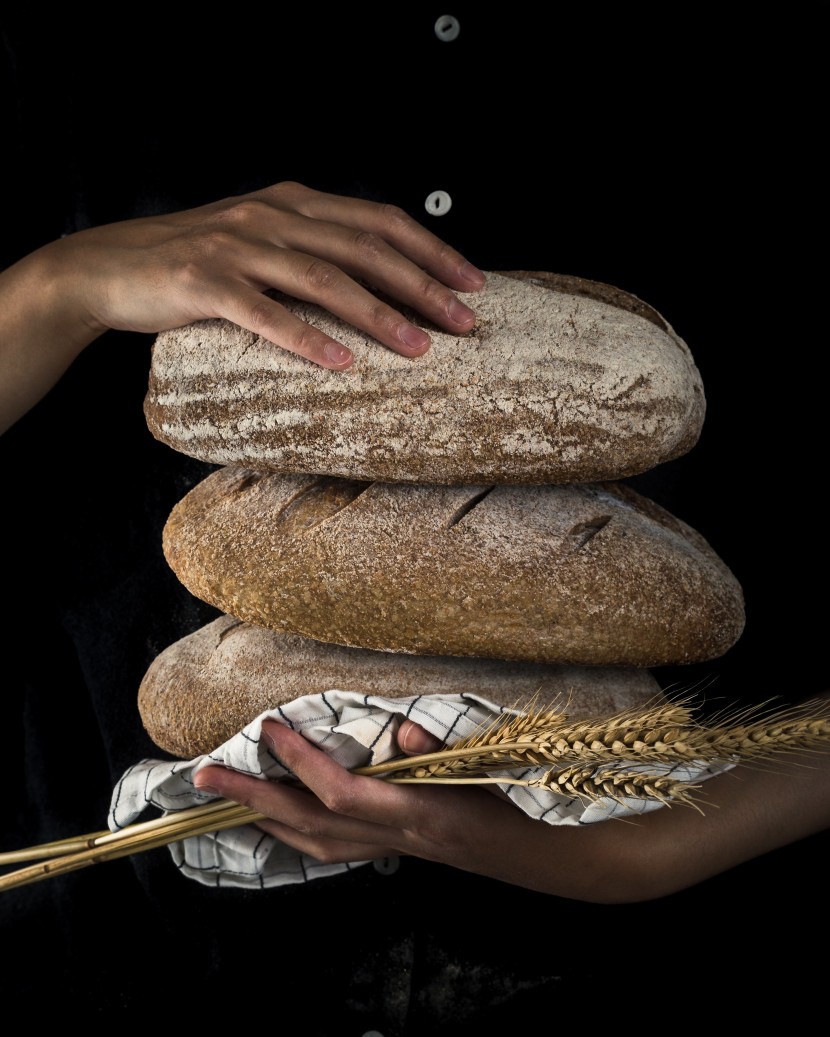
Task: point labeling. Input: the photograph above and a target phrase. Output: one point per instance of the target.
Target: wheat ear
(584, 758)
(664, 734)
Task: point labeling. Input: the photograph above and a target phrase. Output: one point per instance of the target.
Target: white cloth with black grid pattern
(357, 730)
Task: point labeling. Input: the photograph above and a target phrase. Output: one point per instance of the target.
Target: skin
(341, 817)
(161, 272)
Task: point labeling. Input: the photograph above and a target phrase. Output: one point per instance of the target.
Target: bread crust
(205, 688)
(563, 380)
(591, 574)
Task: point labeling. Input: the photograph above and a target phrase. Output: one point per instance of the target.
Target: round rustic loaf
(590, 574)
(563, 380)
(205, 688)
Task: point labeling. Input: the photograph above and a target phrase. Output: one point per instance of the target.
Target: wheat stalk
(108, 846)
(584, 758)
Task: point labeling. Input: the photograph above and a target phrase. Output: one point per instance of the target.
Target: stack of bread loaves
(450, 525)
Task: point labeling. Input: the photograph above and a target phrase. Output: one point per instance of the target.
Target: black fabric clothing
(581, 144)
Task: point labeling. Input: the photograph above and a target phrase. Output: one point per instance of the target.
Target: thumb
(415, 740)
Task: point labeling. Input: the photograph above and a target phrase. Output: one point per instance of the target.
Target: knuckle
(379, 316)
(189, 276)
(288, 196)
(394, 218)
(211, 241)
(201, 247)
(261, 315)
(308, 341)
(445, 254)
(289, 191)
(320, 276)
(368, 245)
(339, 800)
(433, 294)
(197, 257)
(243, 212)
(325, 854)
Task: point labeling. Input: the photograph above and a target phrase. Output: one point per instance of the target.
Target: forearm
(744, 813)
(339, 817)
(43, 328)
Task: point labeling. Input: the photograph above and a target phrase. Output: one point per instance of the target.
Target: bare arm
(161, 272)
(343, 817)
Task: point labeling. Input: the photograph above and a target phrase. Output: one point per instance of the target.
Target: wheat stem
(90, 841)
(584, 758)
(149, 835)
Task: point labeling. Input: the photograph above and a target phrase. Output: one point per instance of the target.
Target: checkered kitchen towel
(357, 730)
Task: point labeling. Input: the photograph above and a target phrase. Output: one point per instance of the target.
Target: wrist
(55, 278)
(44, 325)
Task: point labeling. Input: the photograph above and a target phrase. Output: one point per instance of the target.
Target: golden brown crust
(583, 575)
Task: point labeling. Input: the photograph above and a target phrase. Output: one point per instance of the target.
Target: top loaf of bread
(562, 380)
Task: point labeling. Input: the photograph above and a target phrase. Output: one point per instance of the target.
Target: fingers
(325, 249)
(299, 819)
(354, 796)
(266, 317)
(368, 264)
(415, 740)
(390, 223)
(342, 818)
(316, 281)
(336, 817)
(324, 849)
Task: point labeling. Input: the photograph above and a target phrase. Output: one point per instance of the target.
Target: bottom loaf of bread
(205, 688)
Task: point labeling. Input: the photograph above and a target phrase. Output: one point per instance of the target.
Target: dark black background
(676, 161)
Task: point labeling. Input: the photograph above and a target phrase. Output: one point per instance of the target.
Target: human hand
(218, 260)
(161, 272)
(339, 817)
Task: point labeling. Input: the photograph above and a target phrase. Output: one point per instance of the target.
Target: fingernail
(207, 790)
(414, 739)
(404, 739)
(412, 337)
(337, 354)
(473, 274)
(459, 313)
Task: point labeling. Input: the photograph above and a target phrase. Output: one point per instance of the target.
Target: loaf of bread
(205, 688)
(590, 574)
(563, 380)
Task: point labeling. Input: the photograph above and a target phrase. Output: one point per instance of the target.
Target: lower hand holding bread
(339, 817)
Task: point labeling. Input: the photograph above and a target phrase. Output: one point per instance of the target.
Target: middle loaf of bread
(587, 574)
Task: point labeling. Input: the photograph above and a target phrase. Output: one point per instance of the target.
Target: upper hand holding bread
(162, 272)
